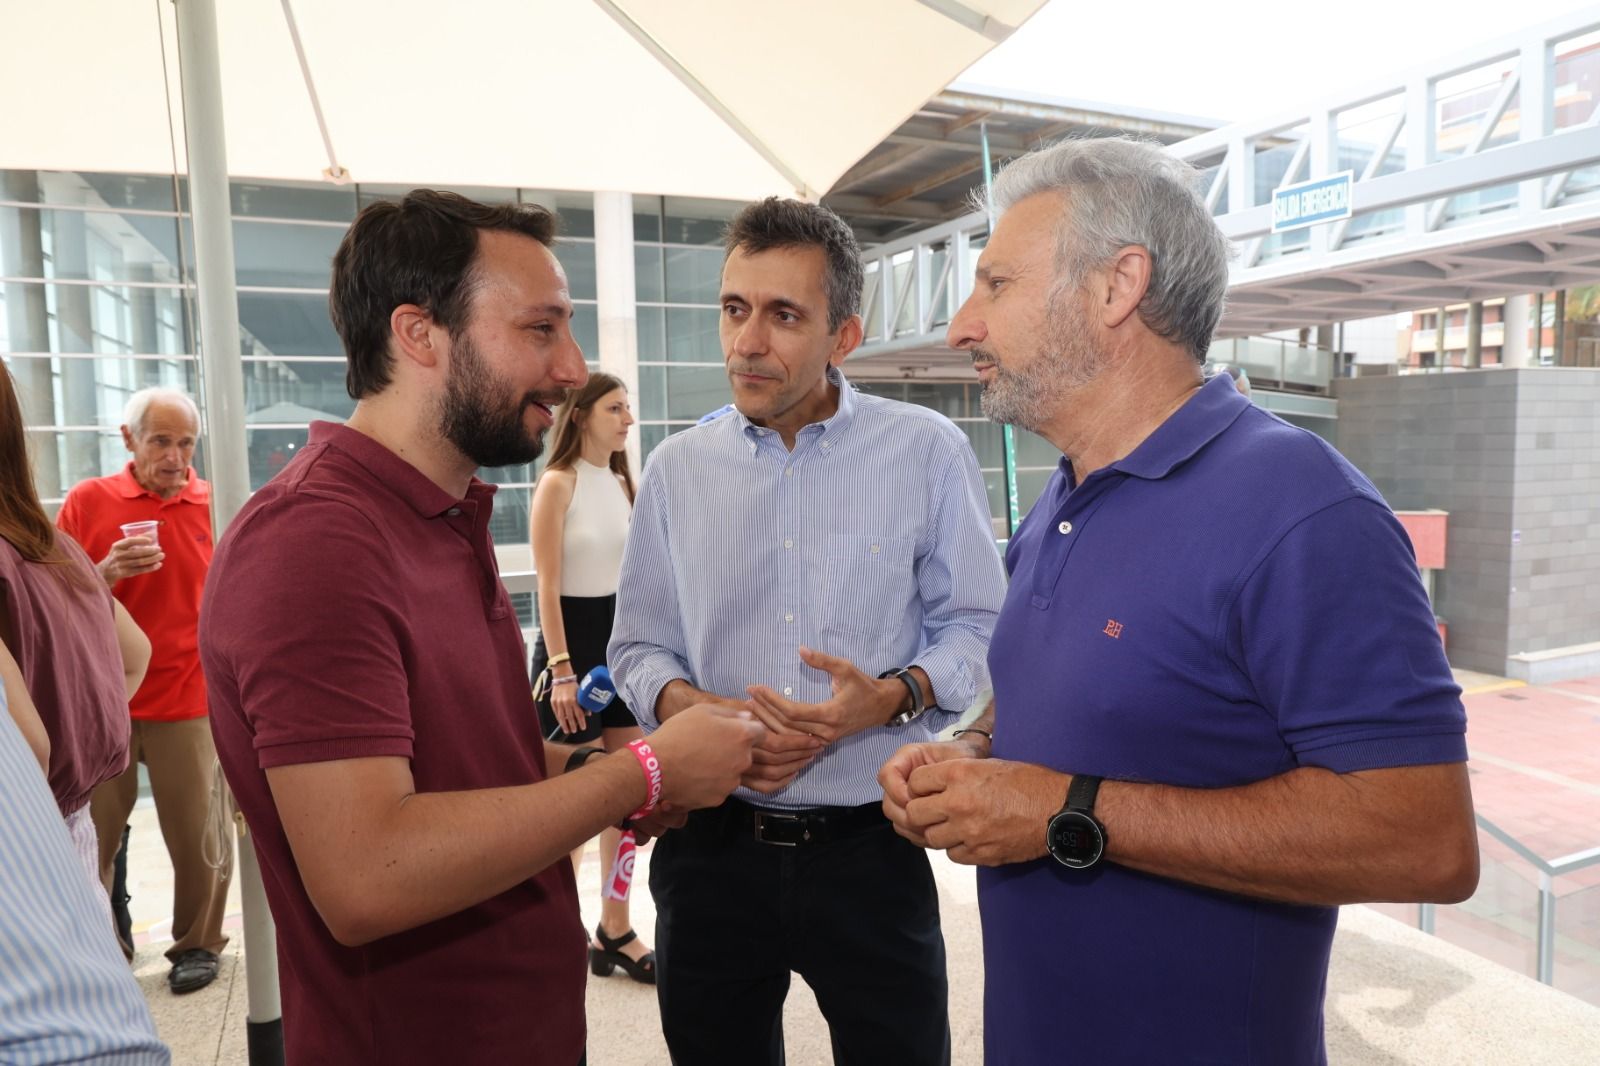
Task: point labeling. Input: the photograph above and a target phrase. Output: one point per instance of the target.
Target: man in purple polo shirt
(367, 672)
(1221, 705)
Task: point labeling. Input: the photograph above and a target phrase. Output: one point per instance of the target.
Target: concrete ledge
(1399, 997)
(1557, 664)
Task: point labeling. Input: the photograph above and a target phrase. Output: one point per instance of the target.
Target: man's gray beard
(1030, 397)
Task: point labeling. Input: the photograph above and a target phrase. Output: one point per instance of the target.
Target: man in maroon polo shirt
(366, 671)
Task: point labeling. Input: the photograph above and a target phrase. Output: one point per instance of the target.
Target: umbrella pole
(222, 400)
(264, 1017)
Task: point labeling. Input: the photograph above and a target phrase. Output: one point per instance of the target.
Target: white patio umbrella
(729, 99)
(726, 99)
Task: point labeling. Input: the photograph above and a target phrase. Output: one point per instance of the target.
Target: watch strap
(904, 675)
(1081, 793)
(579, 757)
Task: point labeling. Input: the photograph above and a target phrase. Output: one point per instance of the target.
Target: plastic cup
(142, 529)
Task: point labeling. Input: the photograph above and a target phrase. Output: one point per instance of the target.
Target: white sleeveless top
(595, 530)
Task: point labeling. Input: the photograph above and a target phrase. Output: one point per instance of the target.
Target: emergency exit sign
(1311, 203)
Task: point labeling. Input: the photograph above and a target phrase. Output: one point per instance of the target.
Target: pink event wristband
(652, 778)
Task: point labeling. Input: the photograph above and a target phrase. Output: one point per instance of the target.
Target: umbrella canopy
(714, 98)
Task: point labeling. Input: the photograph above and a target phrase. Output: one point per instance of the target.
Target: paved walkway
(1396, 997)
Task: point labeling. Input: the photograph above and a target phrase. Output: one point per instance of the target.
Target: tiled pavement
(1535, 773)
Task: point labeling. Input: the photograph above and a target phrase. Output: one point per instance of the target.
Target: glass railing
(1575, 958)
(1538, 916)
(1272, 362)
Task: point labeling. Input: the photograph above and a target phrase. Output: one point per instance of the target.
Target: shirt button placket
(793, 564)
(1055, 554)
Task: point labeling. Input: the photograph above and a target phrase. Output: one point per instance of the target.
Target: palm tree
(1583, 304)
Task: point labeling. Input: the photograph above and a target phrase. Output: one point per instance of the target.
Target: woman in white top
(581, 508)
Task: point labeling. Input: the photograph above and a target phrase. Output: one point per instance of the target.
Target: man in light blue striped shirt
(825, 558)
(66, 995)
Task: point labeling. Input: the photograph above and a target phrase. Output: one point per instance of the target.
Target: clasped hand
(798, 732)
(982, 812)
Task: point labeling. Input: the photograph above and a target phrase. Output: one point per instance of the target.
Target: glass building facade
(677, 269)
(96, 275)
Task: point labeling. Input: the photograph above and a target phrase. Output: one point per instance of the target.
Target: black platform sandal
(609, 956)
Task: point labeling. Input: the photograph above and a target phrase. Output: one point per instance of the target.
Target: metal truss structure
(1474, 177)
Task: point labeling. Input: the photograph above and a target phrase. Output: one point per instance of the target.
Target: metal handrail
(1549, 870)
(1567, 864)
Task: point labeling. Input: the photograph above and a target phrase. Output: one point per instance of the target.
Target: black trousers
(856, 915)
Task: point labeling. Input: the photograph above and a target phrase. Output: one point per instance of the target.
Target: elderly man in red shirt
(158, 576)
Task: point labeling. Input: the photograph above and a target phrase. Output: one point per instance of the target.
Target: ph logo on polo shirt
(1113, 629)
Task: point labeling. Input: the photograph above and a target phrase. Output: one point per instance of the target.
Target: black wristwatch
(917, 706)
(579, 757)
(1074, 835)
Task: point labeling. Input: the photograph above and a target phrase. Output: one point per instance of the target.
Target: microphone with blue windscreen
(595, 692)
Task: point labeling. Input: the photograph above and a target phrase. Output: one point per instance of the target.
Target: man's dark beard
(475, 417)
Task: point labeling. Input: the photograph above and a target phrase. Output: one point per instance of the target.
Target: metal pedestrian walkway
(1471, 178)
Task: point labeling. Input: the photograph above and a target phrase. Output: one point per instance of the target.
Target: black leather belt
(792, 829)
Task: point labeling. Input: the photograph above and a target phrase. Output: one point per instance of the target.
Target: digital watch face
(1076, 840)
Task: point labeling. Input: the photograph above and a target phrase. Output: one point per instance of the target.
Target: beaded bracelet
(547, 681)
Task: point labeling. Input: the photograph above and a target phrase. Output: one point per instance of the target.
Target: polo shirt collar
(195, 489)
(403, 479)
(836, 423)
(1187, 430)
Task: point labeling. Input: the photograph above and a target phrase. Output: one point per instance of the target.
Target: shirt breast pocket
(869, 584)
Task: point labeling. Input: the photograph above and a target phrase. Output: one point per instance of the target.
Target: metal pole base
(265, 1042)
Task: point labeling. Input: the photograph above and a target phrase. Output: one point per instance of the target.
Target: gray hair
(1125, 192)
(140, 402)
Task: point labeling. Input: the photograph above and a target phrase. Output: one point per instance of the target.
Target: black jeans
(857, 917)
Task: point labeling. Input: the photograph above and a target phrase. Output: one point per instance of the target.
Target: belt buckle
(764, 817)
